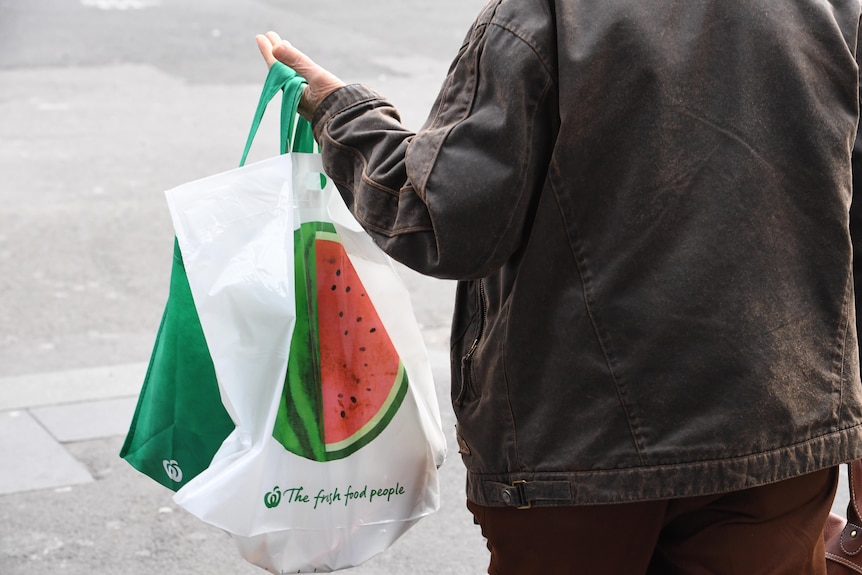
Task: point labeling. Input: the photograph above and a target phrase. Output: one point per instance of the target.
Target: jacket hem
(628, 485)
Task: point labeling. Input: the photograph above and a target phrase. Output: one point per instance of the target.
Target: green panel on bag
(180, 421)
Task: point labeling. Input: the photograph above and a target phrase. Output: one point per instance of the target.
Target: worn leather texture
(646, 205)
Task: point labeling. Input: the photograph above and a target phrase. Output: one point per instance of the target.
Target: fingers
(264, 44)
(274, 38)
(285, 53)
(321, 82)
(273, 48)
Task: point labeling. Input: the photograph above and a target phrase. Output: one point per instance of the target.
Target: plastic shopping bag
(320, 365)
(300, 420)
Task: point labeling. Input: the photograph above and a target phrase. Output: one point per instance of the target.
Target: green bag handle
(291, 84)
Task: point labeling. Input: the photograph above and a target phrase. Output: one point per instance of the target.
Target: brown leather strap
(844, 547)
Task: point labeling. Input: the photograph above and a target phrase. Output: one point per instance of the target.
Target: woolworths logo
(173, 470)
(272, 498)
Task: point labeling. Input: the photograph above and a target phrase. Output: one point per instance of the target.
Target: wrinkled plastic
(289, 513)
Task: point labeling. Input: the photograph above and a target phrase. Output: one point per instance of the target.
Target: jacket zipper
(466, 361)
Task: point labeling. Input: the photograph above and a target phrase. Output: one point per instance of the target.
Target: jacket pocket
(468, 389)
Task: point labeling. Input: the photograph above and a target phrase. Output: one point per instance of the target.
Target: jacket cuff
(338, 101)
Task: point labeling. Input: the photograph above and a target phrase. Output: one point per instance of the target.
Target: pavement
(105, 104)
(68, 504)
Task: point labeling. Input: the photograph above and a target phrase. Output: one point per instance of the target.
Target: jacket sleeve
(451, 200)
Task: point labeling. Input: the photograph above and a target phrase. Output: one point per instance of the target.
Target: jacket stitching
(631, 419)
(683, 464)
(441, 108)
(443, 96)
(536, 113)
(529, 44)
(364, 174)
(391, 233)
(468, 108)
(518, 460)
(476, 36)
(366, 224)
(378, 186)
(336, 113)
(842, 337)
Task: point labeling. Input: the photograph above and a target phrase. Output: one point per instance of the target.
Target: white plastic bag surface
(345, 499)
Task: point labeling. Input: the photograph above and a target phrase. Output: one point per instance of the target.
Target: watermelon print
(344, 379)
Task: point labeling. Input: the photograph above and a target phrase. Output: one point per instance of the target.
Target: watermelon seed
(341, 314)
(353, 399)
(343, 415)
(345, 332)
(373, 329)
(359, 319)
(347, 289)
(365, 365)
(340, 395)
(338, 272)
(361, 349)
(367, 389)
(333, 287)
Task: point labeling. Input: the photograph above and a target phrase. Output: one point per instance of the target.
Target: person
(647, 208)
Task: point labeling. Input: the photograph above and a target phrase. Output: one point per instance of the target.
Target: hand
(321, 82)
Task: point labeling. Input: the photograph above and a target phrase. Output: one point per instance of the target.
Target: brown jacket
(646, 203)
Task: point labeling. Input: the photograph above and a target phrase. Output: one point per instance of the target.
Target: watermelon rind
(299, 425)
(375, 425)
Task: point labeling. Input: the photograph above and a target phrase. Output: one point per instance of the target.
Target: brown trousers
(774, 529)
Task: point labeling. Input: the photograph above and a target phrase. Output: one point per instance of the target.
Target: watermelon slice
(344, 379)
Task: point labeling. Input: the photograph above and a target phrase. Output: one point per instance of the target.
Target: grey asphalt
(103, 105)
